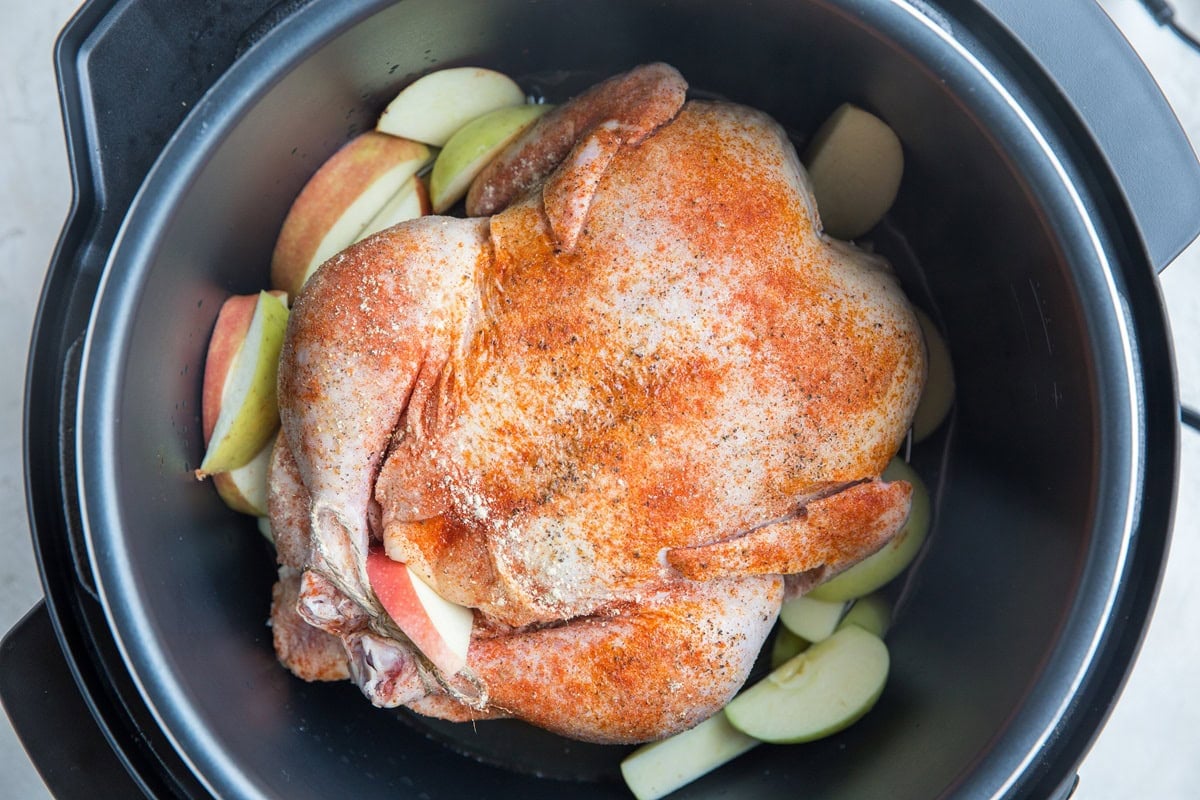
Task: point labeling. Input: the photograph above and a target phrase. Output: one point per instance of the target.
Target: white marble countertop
(1150, 747)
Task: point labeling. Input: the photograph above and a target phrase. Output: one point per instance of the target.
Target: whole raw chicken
(619, 418)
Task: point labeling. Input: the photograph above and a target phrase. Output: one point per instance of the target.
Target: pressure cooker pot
(1040, 194)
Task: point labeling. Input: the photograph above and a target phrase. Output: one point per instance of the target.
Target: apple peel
(249, 409)
(440, 629)
(339, 201)
(881, 567)
(233, 321)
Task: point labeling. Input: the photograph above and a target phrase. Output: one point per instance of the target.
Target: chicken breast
(610, 418)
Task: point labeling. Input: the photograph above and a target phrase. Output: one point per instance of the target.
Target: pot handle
(1123, 109)
(51, 718)
(128, 74)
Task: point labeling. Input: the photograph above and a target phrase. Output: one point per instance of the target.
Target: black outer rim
(51, 379)
(98, 205)
(49, 391)
(1156, 424)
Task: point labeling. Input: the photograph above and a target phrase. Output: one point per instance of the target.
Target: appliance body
(1030, 221)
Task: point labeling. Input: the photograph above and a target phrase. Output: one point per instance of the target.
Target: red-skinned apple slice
(245, 489)
(440, 629)
(339, 201)
(233, 321)
(248, 412)
(433, 107)
(410, 202)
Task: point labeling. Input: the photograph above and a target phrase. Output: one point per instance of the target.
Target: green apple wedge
(823, 690)
(785, 646)
(249, 410)
(659, 768)
(433, 107)
(471, 148)
(243, 489)
(855, 162)
(811, 619)
(871, 613)
(938, 394)
(882, 566)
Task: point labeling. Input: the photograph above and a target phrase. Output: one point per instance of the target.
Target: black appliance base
(51, 718)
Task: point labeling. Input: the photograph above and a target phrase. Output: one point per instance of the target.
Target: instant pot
(1046, 182)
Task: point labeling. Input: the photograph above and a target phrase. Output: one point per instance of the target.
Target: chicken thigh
(610, 418)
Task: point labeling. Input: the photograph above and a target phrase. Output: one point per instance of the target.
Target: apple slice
(855, 162)
(433, 107)
(819, 692)
(410, 202)
(229, 332)
(938, 395)
(811, 619)
(338, 202)
(885, 564)
(785, 646)
(264, 527)
(871, 613)
(245, 489)
(659, 768)
(232, 325)
(440, 629)
(249, 411)
(473, 147)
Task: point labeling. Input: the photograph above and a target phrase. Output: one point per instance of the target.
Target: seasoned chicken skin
(611, 418)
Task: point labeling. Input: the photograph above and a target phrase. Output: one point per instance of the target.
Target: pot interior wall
(1015, 479)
